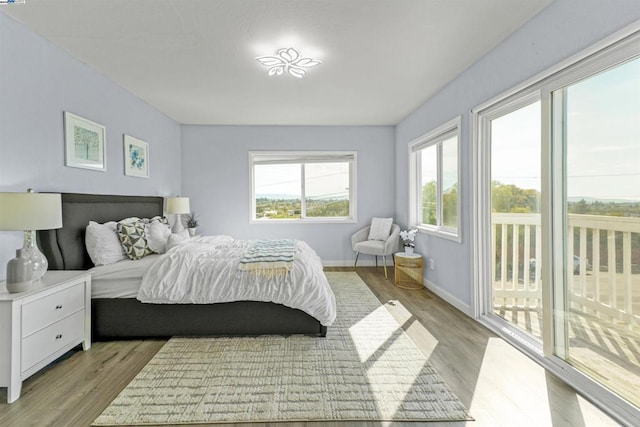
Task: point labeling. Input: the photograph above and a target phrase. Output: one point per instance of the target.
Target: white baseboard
(361, 263)
(463, 307)
(460, 305)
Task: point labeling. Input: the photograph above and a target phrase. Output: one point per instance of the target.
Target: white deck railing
(597, 288)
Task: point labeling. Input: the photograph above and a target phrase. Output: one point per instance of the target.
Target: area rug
(367, 368)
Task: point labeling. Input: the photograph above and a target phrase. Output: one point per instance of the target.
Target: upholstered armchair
(376, 244)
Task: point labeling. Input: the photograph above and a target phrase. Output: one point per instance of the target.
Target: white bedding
(205, 270)
(121, 279)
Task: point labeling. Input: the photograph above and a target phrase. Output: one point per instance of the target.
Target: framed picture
(136, 157)
(84, 143)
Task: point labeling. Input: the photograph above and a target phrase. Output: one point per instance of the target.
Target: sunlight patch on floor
(425, 341)
(524, 396)
(376, 352)
(377, 330)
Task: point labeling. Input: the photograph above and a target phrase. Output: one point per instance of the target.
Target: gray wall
(38, 82)
(215, 176)
(564, 28)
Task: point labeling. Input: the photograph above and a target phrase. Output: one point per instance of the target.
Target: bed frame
(129, 318)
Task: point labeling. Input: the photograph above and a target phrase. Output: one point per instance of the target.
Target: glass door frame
(608, 53)
(483, 257)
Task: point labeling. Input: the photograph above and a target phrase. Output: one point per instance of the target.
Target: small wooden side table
(408, 270)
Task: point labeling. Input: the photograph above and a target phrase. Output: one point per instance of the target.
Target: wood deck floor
(498, 384)
(607, 351)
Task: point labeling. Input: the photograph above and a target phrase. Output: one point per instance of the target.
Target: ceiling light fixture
(287, 60)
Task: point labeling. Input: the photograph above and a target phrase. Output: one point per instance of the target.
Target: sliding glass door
(557, 215)
(596, 126)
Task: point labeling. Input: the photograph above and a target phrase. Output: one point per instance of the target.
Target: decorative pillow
(159, 219)
(157, 235)
(380, 228)
(176, 239)
(129, 220)
(133, 238)
(103, 245)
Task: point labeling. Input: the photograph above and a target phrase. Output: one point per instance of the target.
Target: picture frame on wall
(84, 143)
(136, 157)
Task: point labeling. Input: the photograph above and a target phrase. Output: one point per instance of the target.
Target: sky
(603, 138)
(322, 180)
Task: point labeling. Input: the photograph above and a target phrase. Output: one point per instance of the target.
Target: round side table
(408, 270)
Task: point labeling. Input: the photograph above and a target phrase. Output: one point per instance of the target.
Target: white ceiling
(194, 60)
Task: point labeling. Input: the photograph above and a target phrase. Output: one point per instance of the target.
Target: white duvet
(204, 270)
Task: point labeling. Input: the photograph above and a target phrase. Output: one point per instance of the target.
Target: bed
(117, 318)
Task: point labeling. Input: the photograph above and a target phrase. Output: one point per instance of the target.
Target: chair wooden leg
(356, 262)
(384, 260)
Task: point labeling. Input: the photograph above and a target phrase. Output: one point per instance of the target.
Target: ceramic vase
(19, 273)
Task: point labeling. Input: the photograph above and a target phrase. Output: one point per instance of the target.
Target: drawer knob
(58, 307)
(58, 336)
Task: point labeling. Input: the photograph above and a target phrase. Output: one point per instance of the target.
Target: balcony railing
(604, 264)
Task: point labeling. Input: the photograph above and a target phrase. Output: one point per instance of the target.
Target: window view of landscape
(429, 181)
(516, 222)
(429, 163)
(602, 309)
(279, 190)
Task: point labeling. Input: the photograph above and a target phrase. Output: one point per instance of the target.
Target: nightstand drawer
(42, 344)
(42, 312)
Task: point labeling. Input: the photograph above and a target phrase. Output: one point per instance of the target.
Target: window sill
(433, 231)
(304, 221)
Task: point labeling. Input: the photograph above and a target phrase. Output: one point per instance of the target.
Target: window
(434, 168)
(303, 186)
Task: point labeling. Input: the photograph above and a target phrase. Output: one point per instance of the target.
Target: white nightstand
(40, 325)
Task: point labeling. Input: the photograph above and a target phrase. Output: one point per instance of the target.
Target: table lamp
(177, 206)
(28, 212)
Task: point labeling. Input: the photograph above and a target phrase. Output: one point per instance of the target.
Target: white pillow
(129, 220)
(176, 239)
(103, 245)
(380, 228)
(157, 234)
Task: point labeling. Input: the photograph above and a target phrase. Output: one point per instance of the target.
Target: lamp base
(177, 225)
(31, 252)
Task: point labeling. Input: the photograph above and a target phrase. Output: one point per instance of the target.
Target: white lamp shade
(30, 211)
(178, 205)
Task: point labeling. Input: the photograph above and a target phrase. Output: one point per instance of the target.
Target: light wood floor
(499, 385)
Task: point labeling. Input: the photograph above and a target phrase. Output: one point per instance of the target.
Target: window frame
(302, 157)
(435, 138)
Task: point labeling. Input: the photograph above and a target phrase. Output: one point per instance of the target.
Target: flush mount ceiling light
(287, 60)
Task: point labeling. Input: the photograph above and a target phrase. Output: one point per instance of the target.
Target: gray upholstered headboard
(65, 248)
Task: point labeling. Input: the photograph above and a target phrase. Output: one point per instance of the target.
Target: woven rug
(366, 368)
